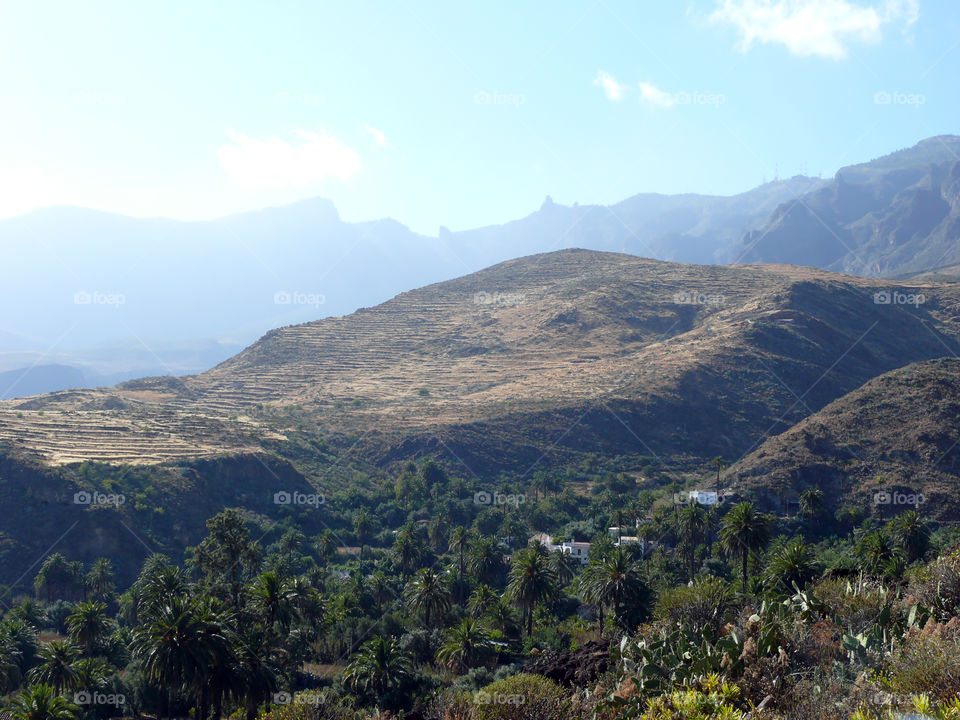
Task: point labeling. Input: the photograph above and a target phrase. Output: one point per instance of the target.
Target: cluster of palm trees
(232, 627)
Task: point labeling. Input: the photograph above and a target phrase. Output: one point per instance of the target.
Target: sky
(459, 114)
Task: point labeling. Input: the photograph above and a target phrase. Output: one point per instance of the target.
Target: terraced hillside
(532, 360)
(899, 433)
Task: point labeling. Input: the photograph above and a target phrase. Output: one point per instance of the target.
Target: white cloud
(378, 137)
(655, 96)
(611, 88)
(275, 163)
(812, 27)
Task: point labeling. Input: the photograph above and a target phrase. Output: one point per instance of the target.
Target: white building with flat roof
(578, 550)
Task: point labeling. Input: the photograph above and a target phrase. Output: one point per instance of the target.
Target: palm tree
(100, 579)
(407, 551)
(91, 672)
(564, 567)
(744, 530)
(482, 599)
(791, 564)
(42, 702)
(57, 666)
(613, 582)
(274, 599)
(911, 533)
(486, 560)
(692, 523)
(428, 593)
(326, 546)
(378, 668)
(811, 502)
(19, 645)
(464, 646)
(10, 660)
(531, 582)
(179, 643)
(30, 612)
(460, 539)
(156, 586)
(89, 625)
(875, 552)
(504, 618)
(363, 527)
(382, 589)
(438, 532)
(257, 678)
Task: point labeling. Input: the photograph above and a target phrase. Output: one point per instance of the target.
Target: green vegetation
(425, 595)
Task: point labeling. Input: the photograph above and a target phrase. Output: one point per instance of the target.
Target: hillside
(101, 284)
(894, 215)
(897, 432)
(496, 368)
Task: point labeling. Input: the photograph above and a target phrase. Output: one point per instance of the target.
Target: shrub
(708, 699)
(927, 661)
(331, 707)
(522, 697)
(856, 604)
(938, 586)
(450, 705)
(706, 603)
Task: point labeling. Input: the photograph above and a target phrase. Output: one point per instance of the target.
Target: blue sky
(454, 113)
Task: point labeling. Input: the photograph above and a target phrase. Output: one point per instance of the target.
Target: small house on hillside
(578, 550)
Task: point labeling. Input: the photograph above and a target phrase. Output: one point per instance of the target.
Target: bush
(937, 586)
(856, 604)
(57, 616)
(706, 603)
(927, 661)
(332, 707)
(710, 701)
(522, 697)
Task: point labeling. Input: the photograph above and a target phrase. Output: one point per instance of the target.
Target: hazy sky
(455, 113)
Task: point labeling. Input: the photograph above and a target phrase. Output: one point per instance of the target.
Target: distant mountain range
(108, 294)
(895, 215)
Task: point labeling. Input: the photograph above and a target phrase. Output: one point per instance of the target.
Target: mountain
(895, 215)
(97, 281)
(685, 228)
(540, 363)
(897, 433)
(495, 368)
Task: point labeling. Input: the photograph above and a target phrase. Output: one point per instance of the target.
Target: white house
(578, 550)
